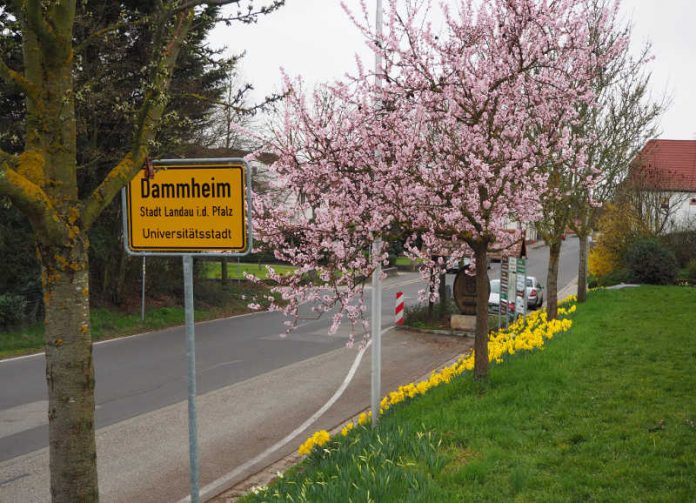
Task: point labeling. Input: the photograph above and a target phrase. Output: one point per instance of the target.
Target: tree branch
(6, 161)
(14, 77)
(117, 178)
(29, 197)
(148, 118)
(37, 23)
(247, 17)
(123, 23)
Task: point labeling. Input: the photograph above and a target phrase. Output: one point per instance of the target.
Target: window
(693, 201)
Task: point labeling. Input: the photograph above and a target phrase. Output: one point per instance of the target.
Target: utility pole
(376, 254)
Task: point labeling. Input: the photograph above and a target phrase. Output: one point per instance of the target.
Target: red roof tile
(667, 165)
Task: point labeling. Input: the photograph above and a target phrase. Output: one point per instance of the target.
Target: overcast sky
(315, 39)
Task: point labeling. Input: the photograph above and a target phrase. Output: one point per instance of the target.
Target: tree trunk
(42, 183)
(431, 304)
(443, 295)
(119, 288)
(582, 268)
(482, 294)
(69, 373)
(552, 280)
(223, 272)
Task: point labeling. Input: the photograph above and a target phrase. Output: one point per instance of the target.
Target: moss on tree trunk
(69, 373)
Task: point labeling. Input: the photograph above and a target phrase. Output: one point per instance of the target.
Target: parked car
(494, 298)
(535, 293)
(463, 264)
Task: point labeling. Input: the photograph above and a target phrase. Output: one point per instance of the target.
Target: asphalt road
(139, 374)
(145, 374)
(538, 259)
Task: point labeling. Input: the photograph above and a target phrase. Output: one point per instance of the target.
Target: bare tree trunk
(582, 268)
(552, 280)
(223, 272)
(443, 295)
(431, 304)
(119, 288)
(69, 374)
(482, 294)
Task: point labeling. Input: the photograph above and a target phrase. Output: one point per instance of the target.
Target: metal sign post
(521, 287)
(376, 327)
(512, 279)
(189, 207)
(376, 322)
(191, 375)
(502, 294)
(142, 299)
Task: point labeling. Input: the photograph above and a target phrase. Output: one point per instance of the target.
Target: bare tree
(618, 128)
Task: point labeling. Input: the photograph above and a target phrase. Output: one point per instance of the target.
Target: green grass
(606, 412)
(111, 323)
(686, 275)
(403, 261)
(238, 271)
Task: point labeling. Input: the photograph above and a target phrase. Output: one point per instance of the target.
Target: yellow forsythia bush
(602, 261)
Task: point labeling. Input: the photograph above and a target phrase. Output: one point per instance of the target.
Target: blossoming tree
(498, 89)
(450, 149)
(338, 162)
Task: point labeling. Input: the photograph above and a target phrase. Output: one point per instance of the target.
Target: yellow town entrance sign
(189, 206)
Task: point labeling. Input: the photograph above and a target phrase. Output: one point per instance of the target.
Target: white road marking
(16, 358)
(218, 485)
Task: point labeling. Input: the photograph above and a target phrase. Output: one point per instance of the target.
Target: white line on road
(218, 485)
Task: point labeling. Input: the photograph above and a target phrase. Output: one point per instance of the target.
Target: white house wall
(685, 211)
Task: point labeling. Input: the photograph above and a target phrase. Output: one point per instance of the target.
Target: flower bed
(525, 334)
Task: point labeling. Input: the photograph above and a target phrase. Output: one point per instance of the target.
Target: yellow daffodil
(524, 334)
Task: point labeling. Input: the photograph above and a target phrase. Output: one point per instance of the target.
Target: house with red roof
(664, 173)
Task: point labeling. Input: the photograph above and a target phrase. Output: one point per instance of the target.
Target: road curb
(427, 331)
(570, 289)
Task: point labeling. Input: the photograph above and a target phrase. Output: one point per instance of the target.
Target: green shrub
(648, 261)
(592, 281)
(619, 275)
(417, 314)
(691, 269)
(682, 244)
(12, 308)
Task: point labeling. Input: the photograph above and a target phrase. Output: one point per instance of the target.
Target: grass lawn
(109, 323)
(403, 261)
(606, 412)
(238, 271)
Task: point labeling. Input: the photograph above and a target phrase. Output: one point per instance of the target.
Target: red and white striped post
(399, 309)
